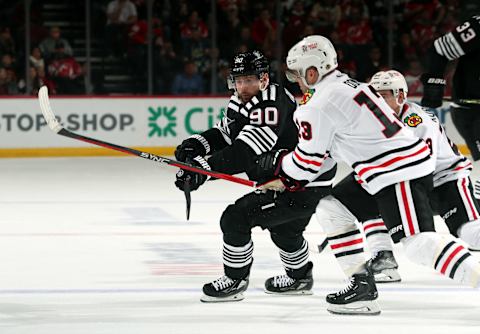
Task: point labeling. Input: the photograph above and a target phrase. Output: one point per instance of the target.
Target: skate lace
(282, 281)
(347, 288)
(222, 283)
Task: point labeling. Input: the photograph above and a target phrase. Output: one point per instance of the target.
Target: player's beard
(245, 97)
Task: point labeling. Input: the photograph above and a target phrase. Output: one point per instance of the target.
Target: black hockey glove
(195, 180)
(269, 166)
(192, 147)
(433, 88)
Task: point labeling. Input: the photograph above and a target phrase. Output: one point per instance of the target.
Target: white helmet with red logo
(312, 51)
(390, 80)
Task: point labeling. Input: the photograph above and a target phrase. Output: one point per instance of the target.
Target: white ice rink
(101, 245)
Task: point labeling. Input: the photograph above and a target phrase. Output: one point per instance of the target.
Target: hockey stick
(56, 127)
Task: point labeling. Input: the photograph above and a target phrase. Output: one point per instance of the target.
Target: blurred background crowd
(184, 47)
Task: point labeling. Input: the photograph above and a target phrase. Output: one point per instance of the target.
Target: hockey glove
(192, 147)
(269, 167)
(433, 88)
(195, 180)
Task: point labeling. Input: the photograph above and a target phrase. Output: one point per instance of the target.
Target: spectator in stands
(423, 32)
(36, 59)
(263, 30)
(222, 78)
(137, 50)
(8, 62)
(355, 29)
(245, 39)
(373, 64)
(167, 63)
(296, 21)
(8, 82)
(345, 64)
(7, 44)
(120, 15)
(44, 81)
(47, 46)
(405, 51)
(189, 82)
(197, 49)
(65, 72)
(412, 77)
(193, 25)
(325, 16)
(230, 25)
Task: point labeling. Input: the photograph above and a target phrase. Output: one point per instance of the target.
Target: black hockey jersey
(247, 130)
(462, 43)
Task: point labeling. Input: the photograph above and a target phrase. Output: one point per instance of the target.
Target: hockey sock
(344, 237)
(445, 255)
(470, 233)
(377, 235)
(293, 261)
(237, 260)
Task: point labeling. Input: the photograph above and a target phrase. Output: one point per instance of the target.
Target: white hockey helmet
(312, 51)
(390, 80)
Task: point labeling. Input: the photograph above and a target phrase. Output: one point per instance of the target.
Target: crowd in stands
(183, 53)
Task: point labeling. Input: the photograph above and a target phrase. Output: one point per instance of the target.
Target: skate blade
(357, 308)
(209, 299)
(290, 293)
(388, 276)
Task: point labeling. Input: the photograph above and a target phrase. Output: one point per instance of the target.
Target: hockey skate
(286, 285)
(224, 289)
(357, 298)
(384, 267)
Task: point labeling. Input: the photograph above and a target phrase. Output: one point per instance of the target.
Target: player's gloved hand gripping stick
(56, 127)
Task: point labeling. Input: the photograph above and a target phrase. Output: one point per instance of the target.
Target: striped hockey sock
(348, 249)
(295, 260)
(237, 257)
(456, 262)
(377, 235)
(445, 255)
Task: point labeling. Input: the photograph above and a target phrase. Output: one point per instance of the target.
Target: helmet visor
(292, 75)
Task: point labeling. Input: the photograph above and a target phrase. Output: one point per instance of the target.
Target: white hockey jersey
(351, 122)
(450, 164)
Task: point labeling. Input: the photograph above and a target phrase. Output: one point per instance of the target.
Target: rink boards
(155, 124)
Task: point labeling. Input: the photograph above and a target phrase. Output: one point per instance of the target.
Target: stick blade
(47, 112)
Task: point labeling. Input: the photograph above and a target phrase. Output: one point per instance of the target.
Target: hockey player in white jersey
(351, 122)
(452, 197)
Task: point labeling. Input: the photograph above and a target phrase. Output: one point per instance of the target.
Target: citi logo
(449, 213)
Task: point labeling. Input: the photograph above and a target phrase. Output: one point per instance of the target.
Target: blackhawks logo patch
(307, 96)
(413, 120)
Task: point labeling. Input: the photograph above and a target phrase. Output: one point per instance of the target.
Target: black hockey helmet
(249, 63)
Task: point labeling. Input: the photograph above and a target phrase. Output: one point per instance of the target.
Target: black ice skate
(286, 285)
(357, 298)
(384, 267)
(224, 289)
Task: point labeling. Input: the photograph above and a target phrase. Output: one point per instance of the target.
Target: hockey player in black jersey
(462, 44)
(258, 119)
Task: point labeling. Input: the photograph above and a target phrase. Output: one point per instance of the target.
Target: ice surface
(101, 245)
